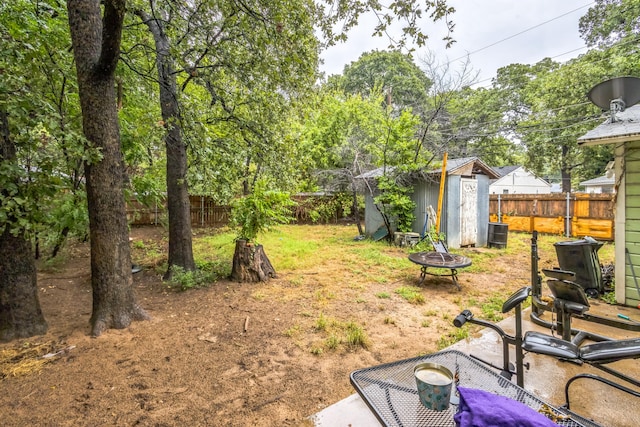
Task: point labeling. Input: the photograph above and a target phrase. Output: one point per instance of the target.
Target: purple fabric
(479, 408)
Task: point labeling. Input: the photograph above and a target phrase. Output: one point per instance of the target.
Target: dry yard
(235, 354)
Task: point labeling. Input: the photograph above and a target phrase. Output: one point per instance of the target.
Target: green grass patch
(356, 336)
(205, 274)
(492, 308)
(217, 244)
(350, 334)
(293, 331)
(149, 253)
(332, 342)
(452, 337)
(321, 323)
(411, 294)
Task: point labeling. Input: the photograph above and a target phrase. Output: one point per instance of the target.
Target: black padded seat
(610, 351)
(537, 342)
(597, 353)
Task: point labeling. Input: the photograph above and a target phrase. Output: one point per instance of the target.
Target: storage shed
(465, 207)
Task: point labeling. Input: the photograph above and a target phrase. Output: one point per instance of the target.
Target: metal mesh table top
(390, 391)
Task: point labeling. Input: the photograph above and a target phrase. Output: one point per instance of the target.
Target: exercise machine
(598, 354)
(571, 303)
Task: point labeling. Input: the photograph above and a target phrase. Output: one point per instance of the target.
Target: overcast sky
(533, 29)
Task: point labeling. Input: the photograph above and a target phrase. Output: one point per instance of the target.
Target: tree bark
(20, 313)
(178, 204)
(250, 263)
(96, 45)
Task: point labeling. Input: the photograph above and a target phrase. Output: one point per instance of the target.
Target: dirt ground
(227, 355)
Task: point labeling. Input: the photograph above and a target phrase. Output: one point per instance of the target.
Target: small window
(505, 191)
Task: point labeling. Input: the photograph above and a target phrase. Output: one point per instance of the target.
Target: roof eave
(609, 139)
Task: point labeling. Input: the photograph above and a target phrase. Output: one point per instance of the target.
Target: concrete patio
(546, 377)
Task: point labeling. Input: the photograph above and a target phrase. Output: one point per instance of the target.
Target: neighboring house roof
(625, 127)
(504, 170)
(599, 181)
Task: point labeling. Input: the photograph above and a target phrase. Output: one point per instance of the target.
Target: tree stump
(250, 263)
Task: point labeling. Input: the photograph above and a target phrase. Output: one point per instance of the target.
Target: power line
(519, 33)
(614, 45)
(526, 129)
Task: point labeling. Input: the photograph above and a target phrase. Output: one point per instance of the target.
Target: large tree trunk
(96, 45)
(178, 205)
(20, 313)
(250, 263)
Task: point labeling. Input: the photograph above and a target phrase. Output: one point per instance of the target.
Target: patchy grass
(452, 337)
(350, 334)
(411, 293)
(356, 336)
(339, 277)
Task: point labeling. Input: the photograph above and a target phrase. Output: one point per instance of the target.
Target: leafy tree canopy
(392, 73)
(610, 21)
(40, 97)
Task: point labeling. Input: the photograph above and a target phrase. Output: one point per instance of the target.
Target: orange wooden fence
(575, 215)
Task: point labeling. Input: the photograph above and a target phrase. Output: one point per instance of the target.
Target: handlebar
(514, 301)
(462, 318)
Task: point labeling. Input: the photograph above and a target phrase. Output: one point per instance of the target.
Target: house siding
(632, 222)
(520, 181)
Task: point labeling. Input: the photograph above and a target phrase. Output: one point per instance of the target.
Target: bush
(260, 211)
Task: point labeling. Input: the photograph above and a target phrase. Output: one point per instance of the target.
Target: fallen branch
(58, 353)
(246, 324)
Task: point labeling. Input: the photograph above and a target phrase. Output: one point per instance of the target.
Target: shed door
(468, 211)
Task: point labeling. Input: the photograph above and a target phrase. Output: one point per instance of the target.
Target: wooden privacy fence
(573, 215)
(204, 213)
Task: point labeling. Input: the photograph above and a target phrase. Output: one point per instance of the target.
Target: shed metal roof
(626, 127)
(601, 180)
(453, 166)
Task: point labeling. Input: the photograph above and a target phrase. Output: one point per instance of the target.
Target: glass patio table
(390, 391)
